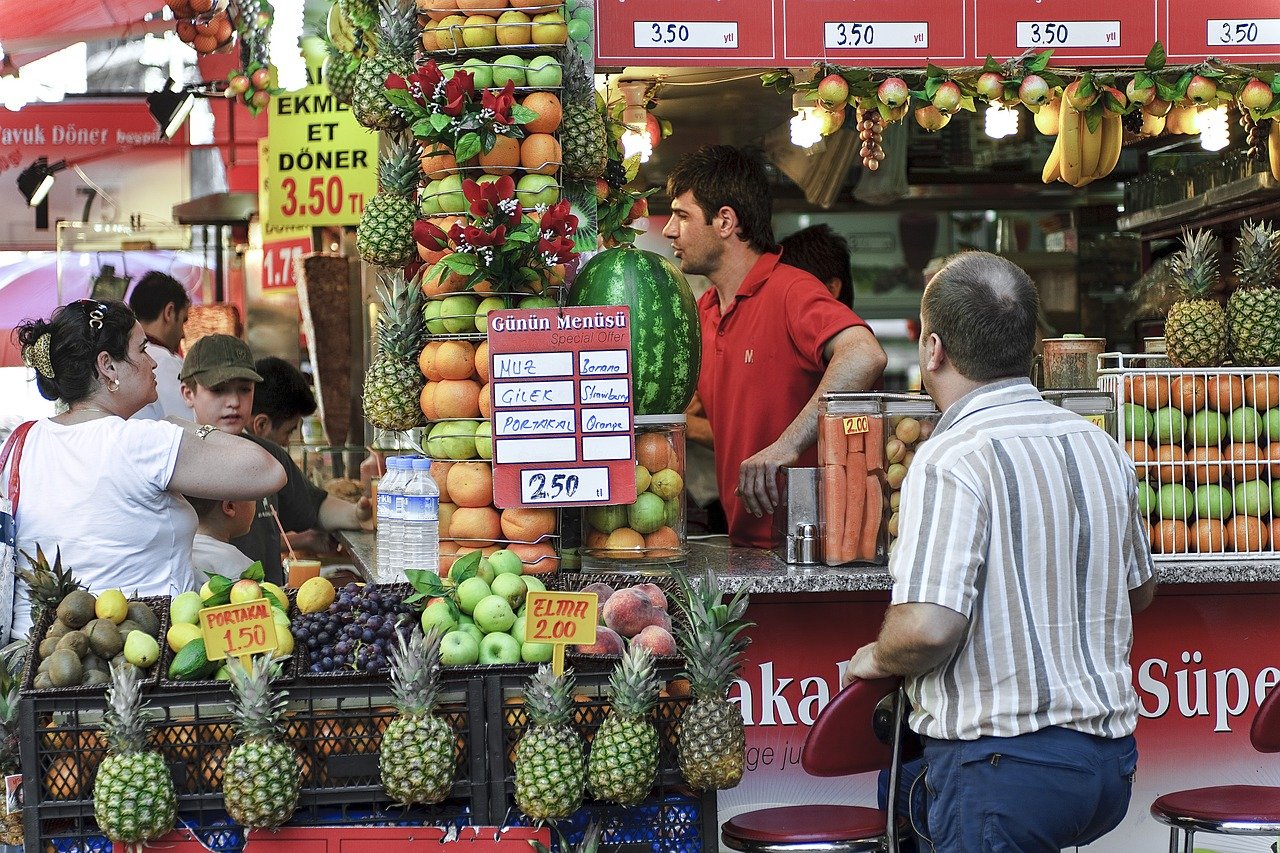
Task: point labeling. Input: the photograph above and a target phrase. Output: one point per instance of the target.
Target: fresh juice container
(649, 535)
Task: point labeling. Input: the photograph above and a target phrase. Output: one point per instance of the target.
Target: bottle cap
(422, 464)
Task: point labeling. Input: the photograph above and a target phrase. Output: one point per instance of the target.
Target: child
(221, 521)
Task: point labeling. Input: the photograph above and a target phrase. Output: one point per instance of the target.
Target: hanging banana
(1273, 148)
(1053, 166)
(1070, 124)
(1081, 156)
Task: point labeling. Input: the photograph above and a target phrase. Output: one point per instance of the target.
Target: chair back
(842, 741)
(1264, 733)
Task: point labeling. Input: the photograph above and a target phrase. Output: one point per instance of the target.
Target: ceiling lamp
(806, 126)
(36, 180)
(170, 109)
(634, 114)
(1001, 121)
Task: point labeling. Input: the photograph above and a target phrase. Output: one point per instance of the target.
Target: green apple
(484, 569)
(534, 190)
(438, 614)
(481, 72)
(1208, 428)
(447, 69)
(470, 593)
(489, 303)
(185, 608)
(579, 29)
(449, 195)
(509, 68)
(536, 652)
(517, 628)
(1137, 422)
(474, 630)
(512, 588)
(544, 72)
(1213, 501)
(1271, 424)
(499, 648)
(607, 519)
(1252, 498)
(534, 584)
(506, 562)
(484, 440)
(647, 514)
(1245, 424)
(1146, 498)
(459, 648)
(431, 314)
(1275, 493)
(458, 312)
(430, 205)
(493, 614)
(1169, 425)
(452, 440)
(1175, 501)
(538, 302)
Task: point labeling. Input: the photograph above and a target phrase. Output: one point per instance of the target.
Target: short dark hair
(203, 506)
(283, 393)
(154, 291)
(74, 345)
(724, 176)
(984, 308)
(822, 253)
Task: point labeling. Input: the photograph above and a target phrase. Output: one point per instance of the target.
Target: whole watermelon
(666, 347)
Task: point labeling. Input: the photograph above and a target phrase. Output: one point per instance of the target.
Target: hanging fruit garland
(213, 26)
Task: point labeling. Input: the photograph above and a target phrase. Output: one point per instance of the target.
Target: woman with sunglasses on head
(104, 489)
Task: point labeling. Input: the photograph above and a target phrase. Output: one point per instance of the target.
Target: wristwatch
(202, 431)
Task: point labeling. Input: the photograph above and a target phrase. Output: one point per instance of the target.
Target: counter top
(762, 573)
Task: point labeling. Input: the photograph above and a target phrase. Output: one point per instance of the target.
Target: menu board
(560, 384)
(691, 32)
(1097, 31)
(1230, 29)
(885, 31)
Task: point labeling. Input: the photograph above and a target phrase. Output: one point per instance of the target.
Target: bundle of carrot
(851, 452)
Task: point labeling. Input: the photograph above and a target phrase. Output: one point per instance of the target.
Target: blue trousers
(1045, 791)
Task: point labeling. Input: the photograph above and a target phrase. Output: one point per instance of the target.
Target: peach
(654, 593)
(521, 524)
(440, 473)
(607, 643)
(629, 612)
(657, 640)
(602, 592)
(538, 558)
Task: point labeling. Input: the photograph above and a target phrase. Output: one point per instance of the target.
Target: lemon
(284, 642)
(315, 595)
(112, 605)
(180, 634)
(277, 593)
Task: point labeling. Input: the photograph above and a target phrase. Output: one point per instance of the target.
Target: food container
(1071, 362)
(647, 536)
(1097, 407)
(336, 469)
(866, 443)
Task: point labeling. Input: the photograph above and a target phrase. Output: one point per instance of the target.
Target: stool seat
(1234, 809)
(817, 824)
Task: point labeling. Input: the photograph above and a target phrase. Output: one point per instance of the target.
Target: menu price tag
(872, 35)
(1246, 32)
(561, 618)
(279, 261)
(1079, 32)
(691, 32)
(1045, 34)
(238, 630)
(721, 35)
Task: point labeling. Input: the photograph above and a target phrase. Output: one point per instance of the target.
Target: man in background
(280, 401)
(774, 340)
(824, 254)
(161, 305)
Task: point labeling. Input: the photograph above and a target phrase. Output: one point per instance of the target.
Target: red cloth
(761, 362)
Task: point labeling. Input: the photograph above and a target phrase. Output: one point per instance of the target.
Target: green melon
(666, 346)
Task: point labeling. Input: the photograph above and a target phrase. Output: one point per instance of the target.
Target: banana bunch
(1081, 156)
(1273, 148)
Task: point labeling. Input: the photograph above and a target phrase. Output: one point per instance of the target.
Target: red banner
(1078, 31)
(72, 131)
(1247, 30)
(883, 32)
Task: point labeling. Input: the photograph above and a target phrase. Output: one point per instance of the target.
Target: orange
(1169, 537)
(1169, 463)
(503, 158)
(446, 514)
(437, 161)
(440, 473)
(538, 558)
(1140, 453)
(475, 526)
(427, 360)
(446, 221)
(1209, 536)
(1188, 394)
(471, 484)
(1274, 530)
(1204, 466)
(481, 5)
(427, 401)
(1262, 391)
(1246, 533)
(485, 402)
(653, 451)
(626, 543)
(1273, 456)
(595, 538)
(456, 359)
(457, 398)
(438, 9)
(482, 361)
(549, 111)
(482, 286)
(1244, 453)
(431, 257)
(662, 542)
(540, 5)
(440, 280)
(1225, 392)
(540, 153)
(521, 524)
(1151, 392)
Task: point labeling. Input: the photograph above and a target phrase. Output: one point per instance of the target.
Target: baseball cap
(215, 359)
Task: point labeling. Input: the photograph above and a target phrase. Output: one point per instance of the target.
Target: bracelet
(202, 431)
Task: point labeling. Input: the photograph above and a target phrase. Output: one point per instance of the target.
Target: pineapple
(582, 130)
(260, 778)
(1196, 329)
(385, 235)
(397, 40)
(46, 585)
(394, 382)
(550, 770)
(712, 744)
(624, 753)
(339, 73)
(11, 829)
(417, 759)
(1253, 311)
(133, 797)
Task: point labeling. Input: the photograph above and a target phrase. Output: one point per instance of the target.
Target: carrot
(875, 443)
(871, 519)
(831, 441)
(833, 510)
(855, 504)
(856, 442)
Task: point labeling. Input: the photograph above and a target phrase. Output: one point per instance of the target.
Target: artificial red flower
(557, 251)
(486, 197)
(478, 237)
(457, 92)
(430, 235)
(500, 103)
(558, 220)
(421, 84)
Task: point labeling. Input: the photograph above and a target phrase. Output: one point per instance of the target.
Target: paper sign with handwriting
(237, 630)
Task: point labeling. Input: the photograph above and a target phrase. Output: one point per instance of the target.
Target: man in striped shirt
(1020, 560)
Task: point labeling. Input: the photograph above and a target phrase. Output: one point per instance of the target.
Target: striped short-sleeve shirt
(1023, 517)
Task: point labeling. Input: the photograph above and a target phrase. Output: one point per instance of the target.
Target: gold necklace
(90, 409)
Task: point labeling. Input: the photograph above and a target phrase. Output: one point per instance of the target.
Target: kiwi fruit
(57, 629)
(64, 668)
(145, 618)
(44, 666)
(77, 609)
(42, 682)
(104, 638)
(76, 641)
(47, 647)
(92, 662)
(95, 677)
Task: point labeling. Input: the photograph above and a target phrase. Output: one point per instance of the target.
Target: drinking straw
(284, 537)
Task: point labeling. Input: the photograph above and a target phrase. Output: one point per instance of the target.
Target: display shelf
(1256, 195)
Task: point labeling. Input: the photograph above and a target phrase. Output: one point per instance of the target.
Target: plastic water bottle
(421, 523)
(390, 534)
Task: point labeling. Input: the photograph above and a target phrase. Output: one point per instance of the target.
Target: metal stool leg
(1188, 846)
(1173, 839)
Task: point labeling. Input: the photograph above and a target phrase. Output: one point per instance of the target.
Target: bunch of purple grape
(356, 631)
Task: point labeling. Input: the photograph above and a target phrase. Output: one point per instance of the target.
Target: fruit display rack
(1206, 445)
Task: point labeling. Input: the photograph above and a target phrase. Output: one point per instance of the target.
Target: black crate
(670, 822)
(159, 606)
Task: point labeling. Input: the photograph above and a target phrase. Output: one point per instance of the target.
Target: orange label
(236, 630)
(856, 425)
(562, 617)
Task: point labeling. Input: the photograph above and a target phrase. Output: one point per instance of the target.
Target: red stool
(1228, 809)
(841, 742)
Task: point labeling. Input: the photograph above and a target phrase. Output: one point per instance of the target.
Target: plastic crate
(1206, 445)
(159, 606)
(674, 823)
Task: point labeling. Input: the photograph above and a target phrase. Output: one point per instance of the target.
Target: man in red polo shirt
(773, 338)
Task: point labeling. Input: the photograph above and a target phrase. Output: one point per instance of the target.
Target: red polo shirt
(761, 362)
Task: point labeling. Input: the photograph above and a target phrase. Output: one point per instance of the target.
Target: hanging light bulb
(1000, 122)
(634, 114)
(637, 143)
(806, 126)
(286, 52)
(1215, 130)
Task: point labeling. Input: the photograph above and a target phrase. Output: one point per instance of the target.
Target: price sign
(856, 35)
(238, 630)
(873, 32)
(1081, 31)
(562, 419)
(1068, 34)
(1266, 31)
(561, 618)
(279, 260)
(1229, 29)
(718, 35)
(706, 32)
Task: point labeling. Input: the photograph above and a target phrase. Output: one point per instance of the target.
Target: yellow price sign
(857, 425)
(238, 630)
(561, 618)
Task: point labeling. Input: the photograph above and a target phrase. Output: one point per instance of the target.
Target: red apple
(1119, 96)
(931, 118)
(239, 84)
(893, 92)
(1141, 96)
(245, 590)
(1077, 101)
(833, 89)
(1255, 95)
(991, 86)
(1201, 90)
(947, 98)
(1157, 107)
(638, 210)
(261, 98)
(1033, 91)
(260, 78)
